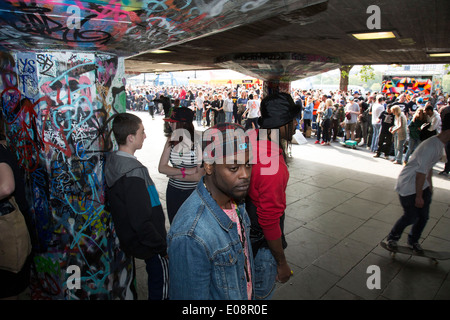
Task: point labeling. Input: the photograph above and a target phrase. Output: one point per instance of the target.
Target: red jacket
(268, 184)
(182, 94)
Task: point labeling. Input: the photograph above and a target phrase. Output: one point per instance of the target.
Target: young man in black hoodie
(135, 206)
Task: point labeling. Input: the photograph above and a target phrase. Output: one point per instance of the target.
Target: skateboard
(350, 144)
(434, 256)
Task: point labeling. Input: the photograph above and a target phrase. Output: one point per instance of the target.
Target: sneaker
(322, 143)
(376, 156)
(386, 157)
(392, 244)
(317, 142)
(416, 247)
(443, 173)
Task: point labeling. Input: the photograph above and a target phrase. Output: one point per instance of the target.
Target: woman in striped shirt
(179, 160)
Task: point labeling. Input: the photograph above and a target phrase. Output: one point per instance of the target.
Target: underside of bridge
(291, 39)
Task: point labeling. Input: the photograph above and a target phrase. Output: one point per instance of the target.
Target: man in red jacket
(266, 201)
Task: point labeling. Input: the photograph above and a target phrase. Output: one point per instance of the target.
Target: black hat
(277, 110)
(181, 114)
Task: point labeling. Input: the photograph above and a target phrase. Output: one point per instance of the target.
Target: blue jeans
(375, 136)
(418, 217)
(298, 123)
(265, 274)
(228, 117)
(319, 132)
(199, 116)
(412, 145)
(398, 148)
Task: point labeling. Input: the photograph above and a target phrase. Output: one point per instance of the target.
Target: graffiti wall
(395, 85)
(125, 27)
(57, 106)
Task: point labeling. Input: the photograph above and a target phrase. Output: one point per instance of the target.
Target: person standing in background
(351, 116)
(241, 104)
(135, 206)
(181, 151)
(399, 132)
(377, 109)
(228, 108)
(199, 108)
(252, 112)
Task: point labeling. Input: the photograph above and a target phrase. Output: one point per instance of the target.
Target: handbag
(15, 242)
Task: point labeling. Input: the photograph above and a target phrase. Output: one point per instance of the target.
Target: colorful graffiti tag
(397, 85)
(124, 27)
(57, 106)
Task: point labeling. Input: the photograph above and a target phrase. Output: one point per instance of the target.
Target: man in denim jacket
(209, 246)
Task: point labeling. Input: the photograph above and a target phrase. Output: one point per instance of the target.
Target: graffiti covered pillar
(277, 69)
(274, 86)
(57, 106)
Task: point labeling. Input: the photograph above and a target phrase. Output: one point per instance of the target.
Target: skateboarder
(414, 186)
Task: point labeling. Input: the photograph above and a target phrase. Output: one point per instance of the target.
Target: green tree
(366, 73)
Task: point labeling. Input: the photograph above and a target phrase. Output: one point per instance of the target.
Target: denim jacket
(308, 111)
(206, 258)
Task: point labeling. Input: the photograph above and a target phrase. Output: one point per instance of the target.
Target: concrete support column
(277, 69)
(275, 86)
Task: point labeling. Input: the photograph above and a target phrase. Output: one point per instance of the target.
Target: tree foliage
(366, 73)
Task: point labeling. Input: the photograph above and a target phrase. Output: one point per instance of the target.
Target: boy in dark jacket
(135, 207)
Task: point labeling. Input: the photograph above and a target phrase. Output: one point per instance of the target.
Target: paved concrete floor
(340, 204)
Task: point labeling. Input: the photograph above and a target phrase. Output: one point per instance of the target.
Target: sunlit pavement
(340, 204)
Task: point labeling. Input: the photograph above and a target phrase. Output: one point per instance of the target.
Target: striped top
(183, 159)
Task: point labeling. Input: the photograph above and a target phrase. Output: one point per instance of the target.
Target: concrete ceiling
(200, 33)
(422, 26)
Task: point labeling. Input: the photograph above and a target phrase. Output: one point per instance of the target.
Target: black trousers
(384, 143)
(174, 199)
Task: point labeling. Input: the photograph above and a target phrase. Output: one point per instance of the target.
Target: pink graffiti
(105, 71)
(112, 10)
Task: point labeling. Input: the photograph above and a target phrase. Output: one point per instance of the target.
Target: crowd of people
(393, 125)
